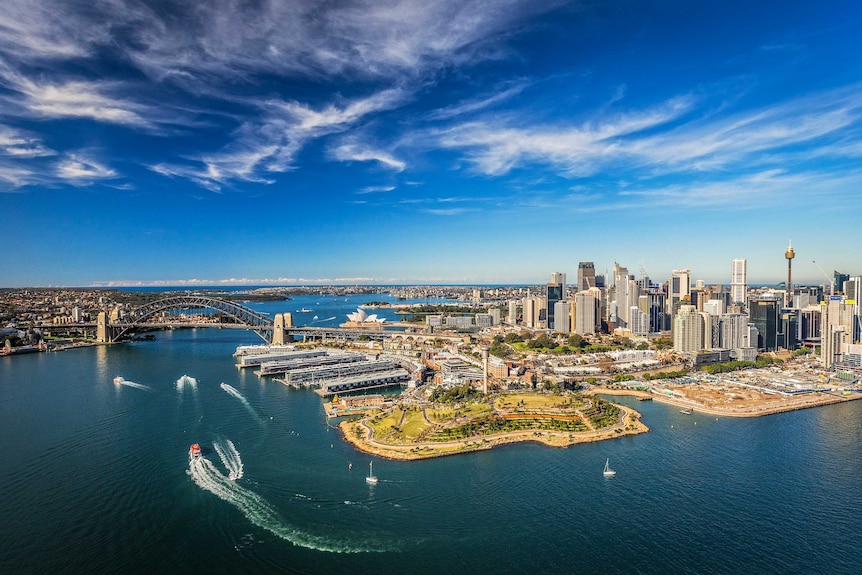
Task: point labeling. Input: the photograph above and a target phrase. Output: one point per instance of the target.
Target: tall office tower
(587, 311)
(530, 313)
(619, 311)
(836, 328)
(561, 316)
(600, 281)
(656, 310)
(678, 290)
(839, 281)
(586, 276)
(853, 292)
(556, 291)
(738, 280)
(810, 324)
(688, 330)
(789, 254)
(789, 330)
(513, 312)
(732, 330)
(764, 314)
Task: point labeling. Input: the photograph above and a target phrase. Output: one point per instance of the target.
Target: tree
(576, 340)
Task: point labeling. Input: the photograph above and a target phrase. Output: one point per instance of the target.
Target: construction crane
(831, 279)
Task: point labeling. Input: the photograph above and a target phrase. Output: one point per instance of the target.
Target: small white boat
(119, 379)
(686, 411)
(608, 472)
(371, 479)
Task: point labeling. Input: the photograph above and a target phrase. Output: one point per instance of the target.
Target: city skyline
(405, 142)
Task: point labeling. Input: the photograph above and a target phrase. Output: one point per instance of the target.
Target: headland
(449, 428)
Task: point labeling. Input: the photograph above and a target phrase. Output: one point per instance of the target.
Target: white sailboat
(608, 472)
(371, 479)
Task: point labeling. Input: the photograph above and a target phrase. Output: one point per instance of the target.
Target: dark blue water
(95, 478)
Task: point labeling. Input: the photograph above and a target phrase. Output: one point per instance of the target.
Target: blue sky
(487, 141)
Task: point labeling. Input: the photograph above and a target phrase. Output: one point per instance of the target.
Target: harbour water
(96, 478)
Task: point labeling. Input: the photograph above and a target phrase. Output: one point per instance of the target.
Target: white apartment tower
(688, 330)
(679, 288)
(587, 311)
(738, 280)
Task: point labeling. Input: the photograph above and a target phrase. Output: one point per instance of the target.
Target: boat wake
(261, 513)
(186, 382)
(120, 381)
(229, 457)
(233, 391)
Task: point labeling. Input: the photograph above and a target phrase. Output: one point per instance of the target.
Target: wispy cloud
(375, 189)
(70, 99)
(21, 144)
(671, 138)
(356, 152)
(496, 148)
(80, 170)
(476, 104)
(269, 145)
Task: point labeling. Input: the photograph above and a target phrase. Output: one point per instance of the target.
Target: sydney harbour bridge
(188, 311)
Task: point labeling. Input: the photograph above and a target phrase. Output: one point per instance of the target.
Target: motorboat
(194, 451)
(119, 380)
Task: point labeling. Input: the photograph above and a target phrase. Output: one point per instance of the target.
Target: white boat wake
(186, 382)
(260, 512)
(120, 381)
(233, 391)
(229, 457)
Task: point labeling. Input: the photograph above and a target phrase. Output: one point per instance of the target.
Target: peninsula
(461, 422)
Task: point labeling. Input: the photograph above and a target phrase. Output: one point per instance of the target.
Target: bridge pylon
(103, 331)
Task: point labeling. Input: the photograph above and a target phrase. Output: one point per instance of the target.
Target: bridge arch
(261, 324)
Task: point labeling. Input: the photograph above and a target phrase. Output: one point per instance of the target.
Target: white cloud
(375, 189)
(355, 152)
(270, 144)
(21, 145)
(77, 169)
(669, 138)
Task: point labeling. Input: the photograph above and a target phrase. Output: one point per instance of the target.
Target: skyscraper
(587, 312)
(586, 276)
(738, 280)
(556, 291)
(678, 290)
(688, 330)
(764, 314)
(836, 328)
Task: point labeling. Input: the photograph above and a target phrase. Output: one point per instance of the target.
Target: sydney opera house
(361, 319)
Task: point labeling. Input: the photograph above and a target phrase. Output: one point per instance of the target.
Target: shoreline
(361, 436)
(791, 404)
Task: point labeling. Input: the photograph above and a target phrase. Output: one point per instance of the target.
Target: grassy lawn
(537, 401)
(383, 424)
(476, 409)
(414, 424)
